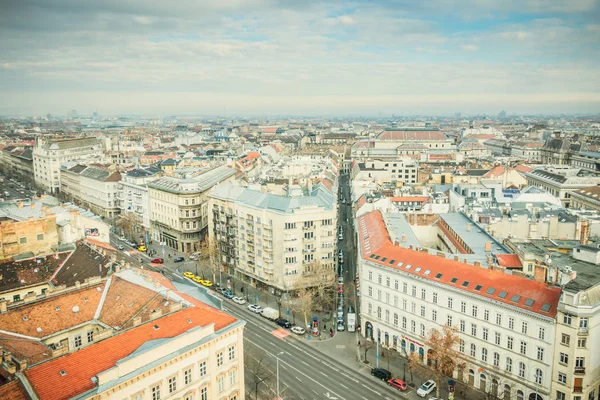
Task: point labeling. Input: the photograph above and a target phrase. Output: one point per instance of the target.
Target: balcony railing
(578, 389)
(579, 370)
(583, 331)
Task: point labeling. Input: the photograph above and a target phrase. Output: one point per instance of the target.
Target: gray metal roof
(320, 197)
(476, 237)
(197, 184)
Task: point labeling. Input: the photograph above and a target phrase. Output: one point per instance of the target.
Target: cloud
(469, 47)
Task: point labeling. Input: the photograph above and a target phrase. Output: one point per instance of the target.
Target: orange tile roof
(509, 260)
(32, 351)
(253, 155)
(13, 391)
(420, 199)
(27, 318)
(412, 135)
(101, 244)
(523, 168)
(86, 363)
(375, 242)
(496, 171)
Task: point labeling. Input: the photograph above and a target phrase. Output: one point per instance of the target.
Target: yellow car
(206, 282)
(188, 275)
(142, 248)
(198, 279)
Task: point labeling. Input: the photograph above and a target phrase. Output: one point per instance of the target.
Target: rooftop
(412, 134)
(28, 272)
(474, 236)
(199, 183)
(83, 263)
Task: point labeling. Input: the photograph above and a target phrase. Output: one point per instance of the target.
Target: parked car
(120, 247)
(228, 294)
(340, 280)
(397, 384)
(298, 330)
(122, 239)
(283, 323)
(188, 274)
(426, 388)
(195, 256)
(206, 283)
(238, 300)
(157, 261)
(340, 326)
(198, 279)
(179, 259)
(142, 248)
(255, 308)
(381, 373)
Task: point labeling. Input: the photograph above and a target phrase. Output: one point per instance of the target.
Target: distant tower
(502, 115)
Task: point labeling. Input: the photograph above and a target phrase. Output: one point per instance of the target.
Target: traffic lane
(325, 373)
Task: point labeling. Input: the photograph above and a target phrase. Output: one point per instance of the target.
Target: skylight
(383, 259)
(377, 257)
(408, 266)
(453, 280)
(515, 298)
(465, 283)
(529, 302)
(418, 269)
(502, 294)
(392, 261)
(427, 272)
(372, 255)
(490, 291)
(400, 264)
(438, 275)
(478, 287)
(546, 307)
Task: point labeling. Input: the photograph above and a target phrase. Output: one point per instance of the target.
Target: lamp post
(277, 358)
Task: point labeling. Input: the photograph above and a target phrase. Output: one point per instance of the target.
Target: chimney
(489, 259)
(585, 230)
(137, 320)
(468, 227)
(477, 264)
(3, 306)
(22, 365)
(403, 238)
(6, 356)
(77, 284)
(456, 258)
(441, 254)
(488, 246)
(20, 205)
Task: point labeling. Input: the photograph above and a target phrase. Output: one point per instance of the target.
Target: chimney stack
(488, 246)
(585, 229)
(20, 205)
(403, 238)
(3, 306)
(468, 227)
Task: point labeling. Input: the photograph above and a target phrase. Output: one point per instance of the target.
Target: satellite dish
(75, 309)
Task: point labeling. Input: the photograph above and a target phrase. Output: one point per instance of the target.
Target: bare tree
(368, 344)
(210, 250)
(257, 369)
(128, 222)
(305, 303)
(441, 355)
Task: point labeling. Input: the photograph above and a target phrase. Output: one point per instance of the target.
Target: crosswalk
(280, 333)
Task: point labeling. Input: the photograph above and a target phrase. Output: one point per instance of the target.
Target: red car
(397, 383)
(157, 261)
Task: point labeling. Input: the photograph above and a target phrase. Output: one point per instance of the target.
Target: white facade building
(49, 155)
(133, 193)
(506, 323)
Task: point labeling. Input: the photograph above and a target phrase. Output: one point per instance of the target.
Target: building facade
(132, 194)
(560, 185)
(49, 155)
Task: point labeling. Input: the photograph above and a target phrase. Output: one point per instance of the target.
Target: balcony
(307, 228)
(578, 389)
(583, 331)
(579, 370)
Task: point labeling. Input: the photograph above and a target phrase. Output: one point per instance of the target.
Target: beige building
(179, 208)
(275, 241)
(49, 155)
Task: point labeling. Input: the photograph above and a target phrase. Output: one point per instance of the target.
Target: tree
(368, 345)
(129, 223)
(304, 303)
(257, 369)
(441, 355)
(209, 249)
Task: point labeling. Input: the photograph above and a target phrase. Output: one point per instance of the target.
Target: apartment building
(132, 193)
(92, 188)
(276, 242)
(401, 170)
(17, 162)
(561, 182)
(127, 336)
(178, 208)
(506, 323)
(588, 160)
(49, 155)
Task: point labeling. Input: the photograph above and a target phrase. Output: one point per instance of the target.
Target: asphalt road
(304, 373)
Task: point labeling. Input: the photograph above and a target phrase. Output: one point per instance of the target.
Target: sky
(299, 57)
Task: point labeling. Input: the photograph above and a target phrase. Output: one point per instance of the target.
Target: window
(231, 353)
(497, 338)
(475, 311)
(396, 284)
(404, 287)
(379, 279)
(540, 353)
(434, 298)
(370, 275)
(187, 376)
(90, 336)
(449, 320)
(387, 315)
(567, 319)
(290, 225)
(509, 342)
(423, 293)
(485, 333)
(562, 378)
(564, 358)
(404, 304)
(378, 312)
(511, 323)
(203, 368)
(434, 315)
(422, 311)
(484, 354)
(370, 291)
(524, 328)
(521, 369)
(560, 395)
(219, 359)
(156, 392)
(370, 309)
(204, 393)
(77, 341)
(414, 291)
(422, 330)
(22, 240)
(565, 339)
(449, 302)
(581, 342)
(541, 333)
(395, 319)
(232, 377)
(486, 315)
(473, 329)
(387, 281)
(462, 325)
(473, 350)
(498, 319)
(463, 307)
(413, 326)
(461, 346)
(496, 360)
(395, 301)
(413, 307)
(523, 347)
(579, 362)
(40, 237)
(508, 364)
(221, 383)
(172, 384)
(538, 376)
(403, 322)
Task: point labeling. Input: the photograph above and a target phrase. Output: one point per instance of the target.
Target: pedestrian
(324, 327)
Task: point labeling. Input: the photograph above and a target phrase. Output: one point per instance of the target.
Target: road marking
(349, 377)
(299, 380)
(344, 386)
(305, 363)
(329, 396)
(297, 370)
(366, 387)
(283, 366)
(315, 392)
(324, 374)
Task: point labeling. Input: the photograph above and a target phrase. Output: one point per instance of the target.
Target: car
(142, 248)
(122, 239)
(228, 294)
(206, 283)
(120, 247)
(238, 300)
(341, 236)
(298, 330)
(255, 308)
(397, 384)
(198, 279)
(426, 388)
(195, 256)
(188, 274)
(340, 288)
(340, 326)
(381, 373)
(283, 323)
(340, 280)
(178, 259)
(221, 290)
(157, 261)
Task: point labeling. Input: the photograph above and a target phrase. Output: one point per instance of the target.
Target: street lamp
(277, 358)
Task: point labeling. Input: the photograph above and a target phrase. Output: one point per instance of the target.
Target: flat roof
(476, 237)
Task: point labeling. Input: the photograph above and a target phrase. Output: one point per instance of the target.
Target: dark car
(381, 373)
(283, 322)
(178, 259)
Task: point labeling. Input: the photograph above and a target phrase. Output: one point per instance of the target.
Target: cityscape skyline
(282, 58)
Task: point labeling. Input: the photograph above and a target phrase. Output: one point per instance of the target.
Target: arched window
(496, 360)
(538, 376)
(403, 322)
(520, 395)
(482, 382)
(521, 369)
(508, 364)
(396, 319)
(506, 392)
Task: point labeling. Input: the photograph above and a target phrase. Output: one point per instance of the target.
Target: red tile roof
(375, 241)
(509, 261)
(523, 168)
(496, 171)
(86, 363)
(13, 391)
(412, 135)
(98, 243)
(419, 199)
